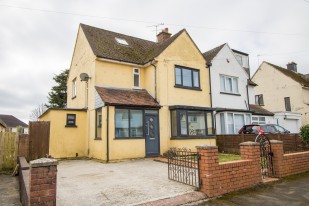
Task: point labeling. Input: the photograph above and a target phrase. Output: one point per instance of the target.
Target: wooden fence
(8, 150)
(230, 143)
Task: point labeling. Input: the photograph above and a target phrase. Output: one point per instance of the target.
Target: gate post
(208, 162)
(277, 149)
(43, 182)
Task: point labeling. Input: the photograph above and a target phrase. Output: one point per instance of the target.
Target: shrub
(304, 133)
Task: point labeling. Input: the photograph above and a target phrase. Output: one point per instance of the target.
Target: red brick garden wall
(220, 178)
(288, 164)
(38, 182)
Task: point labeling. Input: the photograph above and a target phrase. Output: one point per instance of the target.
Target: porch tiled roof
(256, 109)
(126, 97)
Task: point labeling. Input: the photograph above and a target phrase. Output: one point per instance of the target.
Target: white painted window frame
(139, 77)
(74, 84)
(224, 89)
(234, 128)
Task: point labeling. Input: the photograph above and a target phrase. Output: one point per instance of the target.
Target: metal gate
(183, 166)
(38, 139)
(266, 156)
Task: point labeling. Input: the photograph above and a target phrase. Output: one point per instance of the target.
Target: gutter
(123, 62)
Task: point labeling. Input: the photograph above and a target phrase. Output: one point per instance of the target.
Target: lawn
(228, 157)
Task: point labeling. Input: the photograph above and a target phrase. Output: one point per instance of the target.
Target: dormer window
(121, 41)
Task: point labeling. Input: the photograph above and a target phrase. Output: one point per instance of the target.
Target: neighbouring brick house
(129, 97)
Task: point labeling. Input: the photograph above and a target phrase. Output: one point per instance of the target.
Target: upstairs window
(229, 84)
(74, 88)
(136, 77)
(259, 99)
(287, 103)
(187, 77)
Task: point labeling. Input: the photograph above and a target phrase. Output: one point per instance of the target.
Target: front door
(152, 134)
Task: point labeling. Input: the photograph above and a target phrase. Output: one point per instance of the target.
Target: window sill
(71, 126)
(186, 138)
(127, 138)
(191, 88)
(235, 94)
(97, 138)
(74, 97)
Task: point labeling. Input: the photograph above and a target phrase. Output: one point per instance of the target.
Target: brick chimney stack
(292, 66)
(163, 35)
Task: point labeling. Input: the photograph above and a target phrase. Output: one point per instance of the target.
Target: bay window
(232, 122)
(191, 123)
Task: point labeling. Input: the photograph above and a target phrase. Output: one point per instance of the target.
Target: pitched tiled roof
(256, 109)
(209, 55)
(2, 123)
(294, 75)
(126, 97)
(12, 121)
(138, 51)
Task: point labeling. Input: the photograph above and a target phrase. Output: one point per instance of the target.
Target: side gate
(38, 139)
(266, 155)
(183, 166)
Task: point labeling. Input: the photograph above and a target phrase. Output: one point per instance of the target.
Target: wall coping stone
(43, 162)
(206, 147)
(273, 141)
(249, 143)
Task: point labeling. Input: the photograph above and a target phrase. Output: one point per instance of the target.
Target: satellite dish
(84, 77)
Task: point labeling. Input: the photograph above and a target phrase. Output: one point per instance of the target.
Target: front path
(9, 190)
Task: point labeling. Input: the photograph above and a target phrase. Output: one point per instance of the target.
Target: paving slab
(9, 190)
(88, 182)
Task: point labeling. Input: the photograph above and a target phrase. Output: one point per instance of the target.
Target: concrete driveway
(87, 182)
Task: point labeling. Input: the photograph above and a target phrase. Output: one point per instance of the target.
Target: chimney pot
(292, 66)
(163, 35)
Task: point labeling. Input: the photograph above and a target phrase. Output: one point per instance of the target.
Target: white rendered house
(230, 90)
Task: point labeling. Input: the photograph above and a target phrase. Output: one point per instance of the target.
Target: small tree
(57, 98)
(304, 133)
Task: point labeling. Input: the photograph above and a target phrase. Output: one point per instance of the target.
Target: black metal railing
(183, 166)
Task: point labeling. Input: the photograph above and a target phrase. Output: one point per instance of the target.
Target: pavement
(9, 190)
(291, 191)
(134, 182)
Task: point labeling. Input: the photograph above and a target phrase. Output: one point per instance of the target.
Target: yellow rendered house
(132, 98)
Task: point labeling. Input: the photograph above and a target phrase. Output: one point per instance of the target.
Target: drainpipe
(247, 87)
(107, 132)
(208, 65)
(155, 79)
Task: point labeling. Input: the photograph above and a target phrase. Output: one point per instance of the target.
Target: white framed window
(258, 120)
(74, 88)
(229, 84)
(136, 77)
(232, 122)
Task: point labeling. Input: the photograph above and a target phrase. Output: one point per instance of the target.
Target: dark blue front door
(152, 134)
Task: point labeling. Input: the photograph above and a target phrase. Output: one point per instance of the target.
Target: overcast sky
(37, 37)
